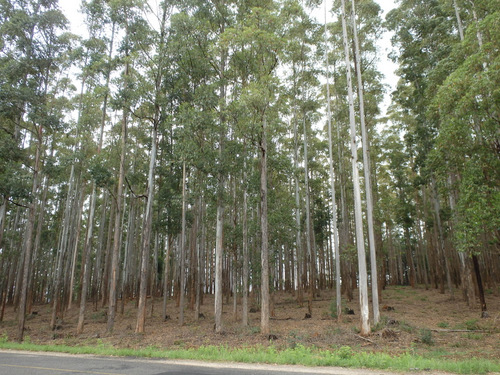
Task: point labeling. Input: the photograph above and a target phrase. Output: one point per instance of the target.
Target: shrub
(426, 336)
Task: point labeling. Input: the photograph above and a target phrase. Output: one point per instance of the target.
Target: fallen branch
(458, 330)
(364, 338)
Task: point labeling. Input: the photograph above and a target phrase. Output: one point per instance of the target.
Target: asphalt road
(27, 363)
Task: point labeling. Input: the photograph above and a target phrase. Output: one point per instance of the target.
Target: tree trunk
(367, 172)
(200, 264)
(311, 251)
(480, 288)
(441, 246)
(146, 236)
(183, 248)
(264, 323)
(335, 242)
(246, 258)
(75, 248)
(298, 236)
(86, 254)
(363, 278)
(118, 217)
(28, 247)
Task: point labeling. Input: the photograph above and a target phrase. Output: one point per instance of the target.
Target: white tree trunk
(336, 244)
(264, 313)
(367, 173)
(183, 248)
(246, 258)
(311, 251)
(360, 243)
(298, 237)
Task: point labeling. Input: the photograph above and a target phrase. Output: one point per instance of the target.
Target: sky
(71, 9)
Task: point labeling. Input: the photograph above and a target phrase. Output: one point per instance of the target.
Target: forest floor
(415, 320)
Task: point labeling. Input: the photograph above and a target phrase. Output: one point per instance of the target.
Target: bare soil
(414, 320)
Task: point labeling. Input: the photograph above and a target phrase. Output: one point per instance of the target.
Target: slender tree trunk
(63, 245)
(311, 251)
(75, 249)
(219, 240)
(264, 323)
(298, 236)
(166, 271)
(335, 242)
(459, 20)
(199, 258)
(441, 245)
(3, 215)
(146, 237)
(30, 226)
(367, 172)
(86, 255)
(246, 258)
(477, 271)
(363, 279)
(183, 248)
(118, 217)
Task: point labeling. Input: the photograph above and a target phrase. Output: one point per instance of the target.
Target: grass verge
(299, 355)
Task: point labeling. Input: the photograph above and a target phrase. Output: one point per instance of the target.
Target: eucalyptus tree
(426, 80)
(88, 59)
(299, 54)
(35, 44)
(334, 220)
(367, 168)
(128, 17)
(203, 67)
(154, 110)
(256, 38)
(98, 52)
(363, 278)
(466, 110)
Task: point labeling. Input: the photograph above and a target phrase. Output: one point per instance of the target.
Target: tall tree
(34, 41)
(367, 170)
(360, 243)
(157, 72)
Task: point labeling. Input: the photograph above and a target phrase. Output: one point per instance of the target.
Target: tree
(363, 282)
(158, 71)
(367, 171)
(96, 18)
(33, 50)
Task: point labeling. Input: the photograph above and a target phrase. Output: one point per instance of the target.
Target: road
(27, 363)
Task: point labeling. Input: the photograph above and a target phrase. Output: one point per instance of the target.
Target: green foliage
(472, 324)
(345, 352)
(333, 309)
(426, 336)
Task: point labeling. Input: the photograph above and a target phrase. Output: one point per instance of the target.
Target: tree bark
(146, 236)
(264, 323)
(246, 258)
(28, 247)
(335, 242)
(363, 279)
(183, 248)
(367, 172)
(311, 251)
(118, 217)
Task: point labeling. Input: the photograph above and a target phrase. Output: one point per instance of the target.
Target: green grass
(344, 356)
(443, 325)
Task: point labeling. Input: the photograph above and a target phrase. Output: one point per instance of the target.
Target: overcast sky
(72, 11)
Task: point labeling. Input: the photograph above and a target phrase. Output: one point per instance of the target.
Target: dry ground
(416, 320)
